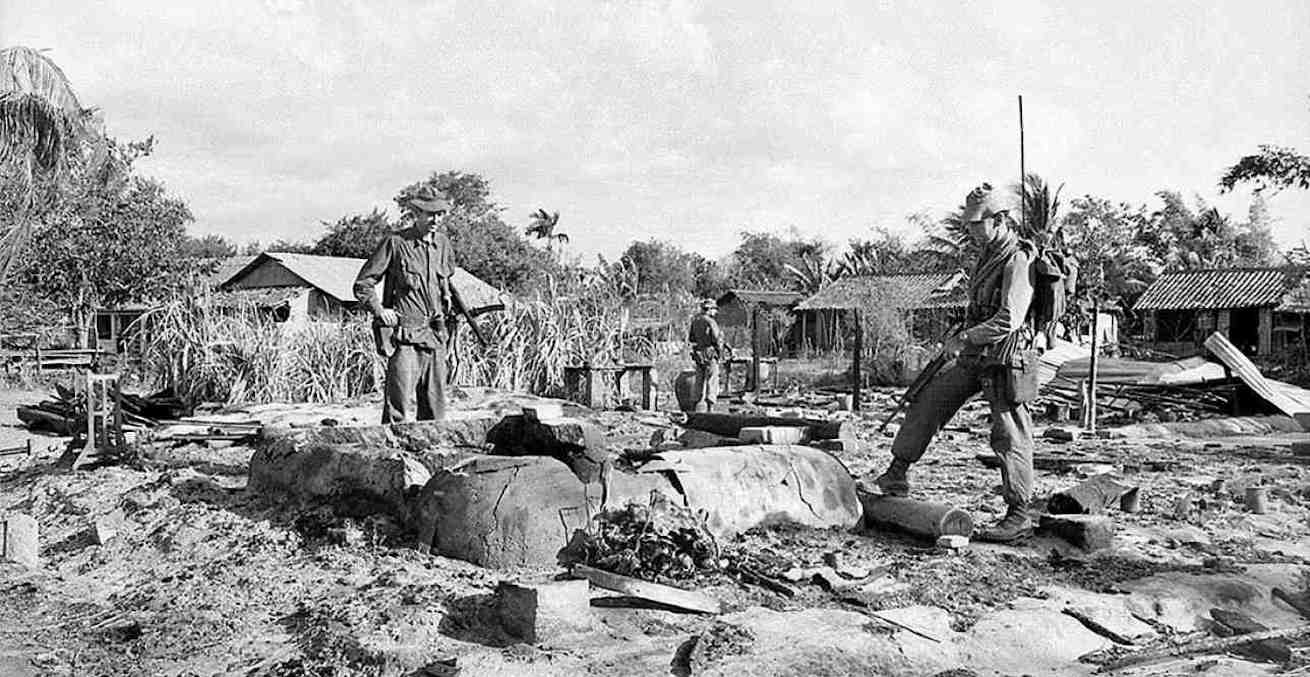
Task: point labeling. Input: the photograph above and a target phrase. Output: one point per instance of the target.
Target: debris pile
(65, 414)
(652, 541)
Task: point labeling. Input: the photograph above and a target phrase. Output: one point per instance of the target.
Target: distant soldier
(412, 318)
(707, 351)
(992, 355)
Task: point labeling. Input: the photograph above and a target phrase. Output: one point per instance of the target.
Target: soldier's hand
(388, 317)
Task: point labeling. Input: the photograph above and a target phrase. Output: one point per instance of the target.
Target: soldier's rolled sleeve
(370, 274)
(1016, 296)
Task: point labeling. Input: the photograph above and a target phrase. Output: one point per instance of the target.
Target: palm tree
(41, 122)
(1041, 209)
(543, 226)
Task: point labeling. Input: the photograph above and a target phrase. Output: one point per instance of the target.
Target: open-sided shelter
(1262, 311)
(933, 299)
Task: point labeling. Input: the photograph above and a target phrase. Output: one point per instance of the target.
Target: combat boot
(1017, 525)
(892, 482)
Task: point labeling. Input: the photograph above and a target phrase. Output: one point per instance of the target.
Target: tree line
(80, 228)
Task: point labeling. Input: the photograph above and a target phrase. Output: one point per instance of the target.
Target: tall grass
(210, 352)
(531, 342)
(236, 354)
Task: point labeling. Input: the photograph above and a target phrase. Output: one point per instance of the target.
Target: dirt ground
(200, 577)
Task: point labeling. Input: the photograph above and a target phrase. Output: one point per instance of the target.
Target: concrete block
(771, 435)
(543, 612)
(107, 527)
(1089, 532)
(839, 445)
(18, 539)
(543, 411)
(952, 542)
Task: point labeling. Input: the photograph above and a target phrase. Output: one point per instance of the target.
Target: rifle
(925, 375)
(464, 312)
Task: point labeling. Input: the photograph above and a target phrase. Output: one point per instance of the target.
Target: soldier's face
(983, 231)
(425, 220)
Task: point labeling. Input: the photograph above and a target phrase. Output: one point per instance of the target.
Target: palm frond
(39, 113)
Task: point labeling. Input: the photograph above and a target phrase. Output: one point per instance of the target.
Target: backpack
(1055, 274)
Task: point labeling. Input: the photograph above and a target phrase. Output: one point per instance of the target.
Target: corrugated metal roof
(335, 276)
(914, 291)
(1215, 289)
(762, 297)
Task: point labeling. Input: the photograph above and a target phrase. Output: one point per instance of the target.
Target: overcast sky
(679, 119)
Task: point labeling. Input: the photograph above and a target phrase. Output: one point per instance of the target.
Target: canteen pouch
(1021, 377)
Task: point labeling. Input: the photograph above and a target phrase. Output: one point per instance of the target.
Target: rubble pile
(659, 539)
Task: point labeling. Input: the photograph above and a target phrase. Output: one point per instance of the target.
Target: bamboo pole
(857, 371)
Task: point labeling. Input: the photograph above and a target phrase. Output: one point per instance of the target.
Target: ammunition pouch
(705, 356)
(1020, 377)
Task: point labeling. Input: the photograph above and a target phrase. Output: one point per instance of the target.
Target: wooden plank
(652, 592)
(1251, 376)
(730, 425)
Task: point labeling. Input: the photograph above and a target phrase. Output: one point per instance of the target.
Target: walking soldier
(993, 355)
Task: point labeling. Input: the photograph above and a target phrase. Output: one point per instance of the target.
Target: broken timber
(1251, 376)
(652, 592)
(1202, 646)
(730, 425)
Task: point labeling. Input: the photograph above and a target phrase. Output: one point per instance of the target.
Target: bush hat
(429, 200)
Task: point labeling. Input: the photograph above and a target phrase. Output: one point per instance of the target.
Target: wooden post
(1091, 382)
(1265, 346)
(755, 349)
(856, 368)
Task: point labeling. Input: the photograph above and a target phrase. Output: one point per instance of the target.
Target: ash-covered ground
(167, 565)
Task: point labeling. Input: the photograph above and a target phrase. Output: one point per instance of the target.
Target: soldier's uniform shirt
(705, 333)
(1000, 292)
(415, 272)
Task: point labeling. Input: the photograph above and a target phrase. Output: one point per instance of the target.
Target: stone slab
(19, 541)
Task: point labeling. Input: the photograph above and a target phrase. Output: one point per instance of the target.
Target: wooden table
(746, 362)
(603, 387)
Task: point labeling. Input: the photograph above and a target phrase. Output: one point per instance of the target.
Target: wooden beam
(653, 592)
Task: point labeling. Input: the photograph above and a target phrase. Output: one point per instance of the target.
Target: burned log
(921, 518)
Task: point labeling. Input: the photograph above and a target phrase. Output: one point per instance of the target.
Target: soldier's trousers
(1012, 424)
(416, 384)
(707, 386)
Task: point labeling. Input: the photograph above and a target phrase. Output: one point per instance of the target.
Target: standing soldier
(411, 319)
(991, 355)
(707, 350)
